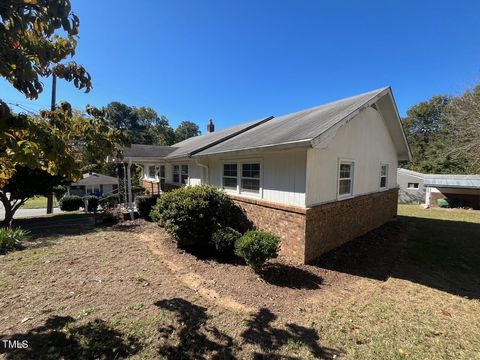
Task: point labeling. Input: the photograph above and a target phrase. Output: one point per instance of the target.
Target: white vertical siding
(366, 140)
(282, 174)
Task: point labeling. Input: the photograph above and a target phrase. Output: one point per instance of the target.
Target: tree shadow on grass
(61, 338)
(270, 339)
(191, 337)
(196, 339)
(440, 254)
(290, 276)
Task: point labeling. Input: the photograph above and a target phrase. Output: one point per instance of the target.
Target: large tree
(463, 115)
(60, 143)
(429, 136)
(35, 37)
(185, 130)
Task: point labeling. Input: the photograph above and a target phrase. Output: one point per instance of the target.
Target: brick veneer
(151, 187)
(333, 224)
(288, 222)
(307, 233)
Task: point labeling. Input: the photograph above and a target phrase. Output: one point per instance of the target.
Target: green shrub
(109, 201)
(92, 202)
(71, 203)
(256, 247)
(192, 213)
(10, 238)
(145, 204)
(223, 241)
(443, 203)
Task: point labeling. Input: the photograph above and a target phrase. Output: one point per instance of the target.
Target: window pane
(230, 182)
(184, 178)
(230, 170)
(251, 170)
(384, 170)
(151, 171)
(184, 169)
(162, 171)
(345, 171)
(344, 187)
(176, 178)
(383, 182)
(175, 168)
(251, 185)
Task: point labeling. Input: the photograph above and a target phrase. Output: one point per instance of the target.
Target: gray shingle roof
(96, 179)
(296, 127)
(149, 151)
(196, 143)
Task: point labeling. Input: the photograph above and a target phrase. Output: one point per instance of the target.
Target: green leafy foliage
(92, 203)
(35, 37)
(192, 213)
(223, 241)
(256, 247)
(109, 201)
(59, 191)
(11, 238)
(145, 204)
(185, 130)
(71, 203)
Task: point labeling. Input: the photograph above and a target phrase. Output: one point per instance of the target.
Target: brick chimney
(210, 126)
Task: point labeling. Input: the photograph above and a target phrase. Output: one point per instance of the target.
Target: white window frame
(238, 190)
(351, 178)
(384, 176)
(180, 174)
(413, 188)
(230, 189)
(91, 188)
(148, 176)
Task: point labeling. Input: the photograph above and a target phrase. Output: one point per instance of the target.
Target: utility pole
(53, 105)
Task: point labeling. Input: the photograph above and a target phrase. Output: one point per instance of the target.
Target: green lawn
(38, 202)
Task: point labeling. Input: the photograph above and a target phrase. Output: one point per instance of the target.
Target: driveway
(26, 213)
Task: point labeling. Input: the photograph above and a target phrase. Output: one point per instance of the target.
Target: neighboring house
(318, 177)
(95, 184)
(458, 190)
(411, 188)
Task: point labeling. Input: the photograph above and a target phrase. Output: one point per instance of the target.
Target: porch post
(129, 186)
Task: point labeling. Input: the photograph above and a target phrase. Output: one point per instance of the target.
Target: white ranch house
(318, 177)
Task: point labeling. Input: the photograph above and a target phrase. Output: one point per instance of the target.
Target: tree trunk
(8, 219)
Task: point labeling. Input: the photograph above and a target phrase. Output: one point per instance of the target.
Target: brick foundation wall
(288, 222)
(331, 225)
(151, 187)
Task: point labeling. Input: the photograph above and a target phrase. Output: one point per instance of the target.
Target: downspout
(203, 166)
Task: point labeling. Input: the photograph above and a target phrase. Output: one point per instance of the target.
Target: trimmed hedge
(145, 204)
(191, 214)
(256, 247)
(223, 241)
(92, 202)
(109, 201)
(71, 203)
(10, 238)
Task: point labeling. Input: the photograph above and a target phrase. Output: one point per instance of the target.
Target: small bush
(192, 213)
(71, 203)
(10, 238)
(256, 247)
(443, 203)
(145, 204)
(92, 202)
(109, 201)
(223, 241)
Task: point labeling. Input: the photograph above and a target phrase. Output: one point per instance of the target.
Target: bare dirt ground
(127, 291)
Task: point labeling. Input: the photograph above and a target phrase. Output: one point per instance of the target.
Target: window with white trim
(384, 176)
(161, 175)
(345, 178)
(180, 174)
(230, 176)
(151, 172)
(250, 178)
(413, 186)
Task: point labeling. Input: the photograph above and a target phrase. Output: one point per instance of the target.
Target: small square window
(413, 185)
(345, 179)
(230, 176)
(250, 179)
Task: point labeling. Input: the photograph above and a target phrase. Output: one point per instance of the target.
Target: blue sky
(235, 61)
